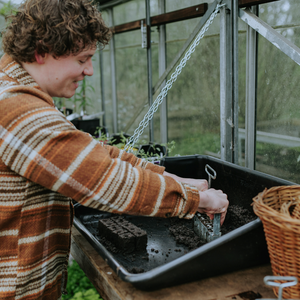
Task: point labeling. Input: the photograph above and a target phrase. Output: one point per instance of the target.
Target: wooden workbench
(245, 284)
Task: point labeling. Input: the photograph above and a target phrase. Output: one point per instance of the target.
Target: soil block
(123, 234)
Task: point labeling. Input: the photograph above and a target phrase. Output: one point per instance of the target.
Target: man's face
(63, 74)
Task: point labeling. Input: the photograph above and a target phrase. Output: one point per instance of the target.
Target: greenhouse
(201, 92)
(262, 108)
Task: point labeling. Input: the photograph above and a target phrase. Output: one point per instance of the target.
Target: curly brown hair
(59, 27)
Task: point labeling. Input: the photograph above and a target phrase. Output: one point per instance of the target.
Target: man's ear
(40, 57)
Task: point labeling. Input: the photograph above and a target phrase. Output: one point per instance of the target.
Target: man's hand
(213, 202)
(200, 184)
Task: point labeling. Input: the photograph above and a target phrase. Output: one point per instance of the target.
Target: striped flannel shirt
(44, 163)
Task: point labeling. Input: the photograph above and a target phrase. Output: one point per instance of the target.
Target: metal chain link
(149, 115)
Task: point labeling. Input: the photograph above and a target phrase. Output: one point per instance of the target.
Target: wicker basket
(279, 210)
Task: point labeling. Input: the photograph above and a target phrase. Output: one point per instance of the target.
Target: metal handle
(212, 175)
(270, 280)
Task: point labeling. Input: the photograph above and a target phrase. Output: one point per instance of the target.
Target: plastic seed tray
(166, 263)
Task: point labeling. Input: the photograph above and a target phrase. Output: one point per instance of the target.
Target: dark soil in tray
(236, 217)
(167, 239)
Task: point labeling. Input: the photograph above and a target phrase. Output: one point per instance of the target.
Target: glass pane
(132, 84)
(280, 13)
(172, 5)
(194, 100)
(278, 110)
(107, 85)
(132, 88)
(133, 10)
(129, 11)
(242, 50)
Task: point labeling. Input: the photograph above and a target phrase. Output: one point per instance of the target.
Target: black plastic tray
(166, 263)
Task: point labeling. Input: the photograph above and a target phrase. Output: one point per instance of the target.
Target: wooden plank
(174, 16)
(127, 27)
(247, 3)
(178, 15)
(225, 287)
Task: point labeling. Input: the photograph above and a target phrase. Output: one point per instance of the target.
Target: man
(45, 162)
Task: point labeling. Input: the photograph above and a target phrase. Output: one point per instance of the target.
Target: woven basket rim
(262, 210)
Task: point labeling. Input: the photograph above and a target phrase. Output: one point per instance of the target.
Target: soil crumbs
(236, 217)
(183, 233)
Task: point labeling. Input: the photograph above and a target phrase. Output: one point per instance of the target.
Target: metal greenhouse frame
(231, 10)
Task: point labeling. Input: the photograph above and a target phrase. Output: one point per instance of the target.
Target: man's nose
(88, 70)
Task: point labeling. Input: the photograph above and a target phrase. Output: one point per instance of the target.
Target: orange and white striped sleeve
(37, 142)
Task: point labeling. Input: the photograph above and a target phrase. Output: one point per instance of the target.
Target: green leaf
(79, 286)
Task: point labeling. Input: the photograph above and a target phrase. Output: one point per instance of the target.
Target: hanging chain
(149, 115)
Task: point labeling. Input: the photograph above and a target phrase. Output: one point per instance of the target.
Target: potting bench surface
(244, 284)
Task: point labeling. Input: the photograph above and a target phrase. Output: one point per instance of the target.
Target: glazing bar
(101, 62)
(162, 58)
(226, 121)
(113, 76)
(271, 35)
(149, 67)
(250, 124)
(235, 81)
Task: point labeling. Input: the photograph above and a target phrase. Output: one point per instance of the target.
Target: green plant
(87, 295)
(100, 136)
(154, 150)
(82, 98)
(79, 286)
(135, 149)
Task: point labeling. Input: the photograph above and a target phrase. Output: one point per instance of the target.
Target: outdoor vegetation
(79, 286)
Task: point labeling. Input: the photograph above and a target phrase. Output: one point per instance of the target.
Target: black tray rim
(229, 164)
